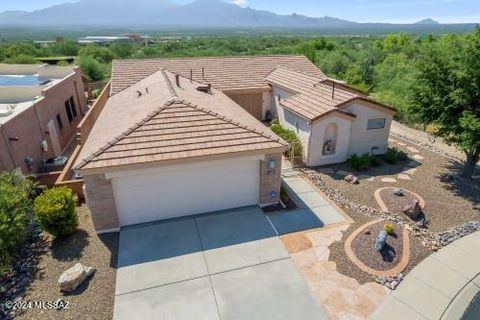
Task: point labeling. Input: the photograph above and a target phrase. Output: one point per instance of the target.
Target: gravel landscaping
(395, 204)
(363, 246)
(452, 203)
(43, 260)
(450, 199)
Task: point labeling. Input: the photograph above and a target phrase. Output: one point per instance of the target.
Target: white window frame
(378, 120)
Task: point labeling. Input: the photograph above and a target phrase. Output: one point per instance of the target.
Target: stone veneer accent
(270, 181)
(99, 196)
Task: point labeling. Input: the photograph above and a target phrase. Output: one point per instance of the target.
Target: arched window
(330, 139)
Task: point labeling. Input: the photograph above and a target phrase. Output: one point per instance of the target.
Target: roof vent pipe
(203, 72)
(333, 90)
(177, 80)
(191, 75)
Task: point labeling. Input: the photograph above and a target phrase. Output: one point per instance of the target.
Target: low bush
(389, 228)
(55, 211)
(291, 137)
(394, 155)
(363, 162)
(15, 206)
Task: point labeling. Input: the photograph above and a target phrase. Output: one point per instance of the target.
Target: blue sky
(396, 11)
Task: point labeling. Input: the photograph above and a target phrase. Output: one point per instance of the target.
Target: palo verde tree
(446, 93)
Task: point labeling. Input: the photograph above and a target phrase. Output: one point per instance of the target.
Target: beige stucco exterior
(100, 192)
(362, 140)
(351, 133)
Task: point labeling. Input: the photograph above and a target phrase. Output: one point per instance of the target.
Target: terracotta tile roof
(224, 73)
(311, 95)
(154, 120)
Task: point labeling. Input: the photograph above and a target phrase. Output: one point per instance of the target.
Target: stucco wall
(291, 121)
(362, 140)
(317, 140)
(30, 126)
(267, 104)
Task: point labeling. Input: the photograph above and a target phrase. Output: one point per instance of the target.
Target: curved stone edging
(385, 273)
(382, 205)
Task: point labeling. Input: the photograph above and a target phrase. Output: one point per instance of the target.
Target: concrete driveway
(228, 265)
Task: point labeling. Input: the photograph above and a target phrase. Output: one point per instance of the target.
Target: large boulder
(412, 209)
(73, 277)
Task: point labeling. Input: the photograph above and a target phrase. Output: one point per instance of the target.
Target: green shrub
(15, 206)
(55, 211)
(291, 137)
(22, 59)
(96, 93)
(363, 162)
(91, 67)
(374, 160)
(394, 155)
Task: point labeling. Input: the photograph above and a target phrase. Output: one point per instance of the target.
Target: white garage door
(174, 191)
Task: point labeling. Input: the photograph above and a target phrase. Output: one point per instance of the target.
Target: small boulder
(73, 277)
(351, 179)
(381, 240)
(422, 223)
(399, 192)
(412, 209)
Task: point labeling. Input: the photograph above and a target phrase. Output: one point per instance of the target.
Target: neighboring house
(332, 120)
(40, 107)
(184, 136)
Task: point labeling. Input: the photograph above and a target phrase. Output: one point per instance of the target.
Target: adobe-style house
(185, 136)
(40, 108)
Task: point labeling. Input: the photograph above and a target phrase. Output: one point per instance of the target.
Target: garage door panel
(185, 190)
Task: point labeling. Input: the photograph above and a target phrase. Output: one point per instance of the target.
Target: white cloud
(241, 3)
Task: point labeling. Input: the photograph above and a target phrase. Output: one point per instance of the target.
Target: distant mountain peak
(427, 21)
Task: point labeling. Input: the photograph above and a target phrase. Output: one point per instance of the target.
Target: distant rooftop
(24, 80)
(22, 85)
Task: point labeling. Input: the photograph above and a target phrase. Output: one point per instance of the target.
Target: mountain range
(164, 13)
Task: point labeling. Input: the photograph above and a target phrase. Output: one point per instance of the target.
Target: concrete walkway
(309, 199)
(440, 287)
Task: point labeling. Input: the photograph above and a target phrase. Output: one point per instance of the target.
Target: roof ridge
(131, 85)
(232, 121)
(299, 72)
(169, 83)
(213, 57)
(122, 135)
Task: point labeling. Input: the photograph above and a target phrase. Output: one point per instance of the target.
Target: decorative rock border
(386, 273)
(382, 205)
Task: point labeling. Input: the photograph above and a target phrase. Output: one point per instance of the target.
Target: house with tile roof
(179, 137)
(333, 121)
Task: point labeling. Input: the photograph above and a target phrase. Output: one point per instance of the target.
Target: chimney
(333, 90)
(177, 80)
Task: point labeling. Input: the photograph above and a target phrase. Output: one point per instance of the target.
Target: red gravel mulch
(363, 247)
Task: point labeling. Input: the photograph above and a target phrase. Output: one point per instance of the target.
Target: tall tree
(446, 93)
